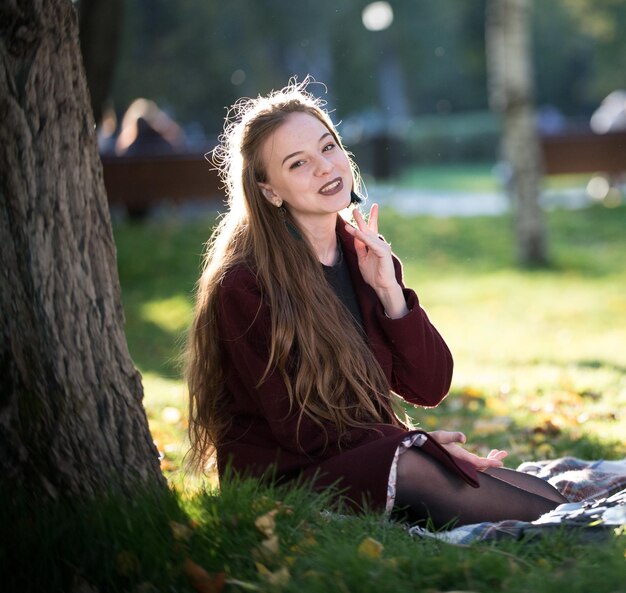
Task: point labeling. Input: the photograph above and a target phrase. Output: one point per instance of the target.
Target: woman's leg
(527, 482)
(427, 490)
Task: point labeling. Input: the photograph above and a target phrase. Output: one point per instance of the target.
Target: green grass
(474, 177)
(249, 537)
(469, 178)
(532, 348)
(540, 370)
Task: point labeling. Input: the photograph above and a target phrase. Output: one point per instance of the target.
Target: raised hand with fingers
(376, 262)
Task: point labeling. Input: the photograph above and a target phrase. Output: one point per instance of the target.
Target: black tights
(425, 489)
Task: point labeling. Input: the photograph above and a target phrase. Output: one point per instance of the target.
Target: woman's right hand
(450, 442)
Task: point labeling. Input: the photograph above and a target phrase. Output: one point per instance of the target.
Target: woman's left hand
(376, 262)
(450, 441)
(374, 253)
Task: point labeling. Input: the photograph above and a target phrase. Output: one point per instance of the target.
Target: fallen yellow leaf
(271, 544)
(262, 569)
(472, 392)
(266, 524)
(308, 542)
(370, 548)
(278, 578)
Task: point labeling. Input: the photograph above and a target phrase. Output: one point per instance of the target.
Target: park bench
(584, 152)
(139, 182)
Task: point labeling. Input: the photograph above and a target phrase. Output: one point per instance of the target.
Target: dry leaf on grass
(181, 533)
(271, 544)
(126, 563)
(201, 580)
(266, 524)
(278, 578)
(370, 548)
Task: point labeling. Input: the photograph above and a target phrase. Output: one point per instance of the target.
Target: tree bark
(511, 92)
(71, 414)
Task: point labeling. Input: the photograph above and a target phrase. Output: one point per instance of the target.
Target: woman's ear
(269, 194)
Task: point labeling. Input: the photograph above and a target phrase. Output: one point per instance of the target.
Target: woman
(304, 333)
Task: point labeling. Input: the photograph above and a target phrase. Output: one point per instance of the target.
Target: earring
(278, 203)
(355, 198)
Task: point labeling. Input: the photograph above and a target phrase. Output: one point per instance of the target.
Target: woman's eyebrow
(299, 151)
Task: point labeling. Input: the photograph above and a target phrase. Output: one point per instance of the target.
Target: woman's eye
(296, 164)
(329, 146)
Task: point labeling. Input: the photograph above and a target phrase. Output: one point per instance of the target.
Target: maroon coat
(412, 354)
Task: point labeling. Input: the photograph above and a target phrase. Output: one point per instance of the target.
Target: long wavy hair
(330, 373)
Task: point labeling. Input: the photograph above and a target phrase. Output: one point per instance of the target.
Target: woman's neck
(323, 238)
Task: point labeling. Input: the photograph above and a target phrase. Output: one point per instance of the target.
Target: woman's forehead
(298, 132)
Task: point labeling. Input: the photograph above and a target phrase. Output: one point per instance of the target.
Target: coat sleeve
(244, 327)
(422, 362)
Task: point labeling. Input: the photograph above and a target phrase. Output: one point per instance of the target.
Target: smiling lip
(330, 189)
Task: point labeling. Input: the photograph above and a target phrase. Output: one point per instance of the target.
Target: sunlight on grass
(171, 314)
(540, 362)
(166, 407)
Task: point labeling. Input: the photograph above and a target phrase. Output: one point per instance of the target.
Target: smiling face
(306, 169)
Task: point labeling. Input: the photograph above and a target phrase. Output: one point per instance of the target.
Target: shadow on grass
(265, 538)
(110, 542)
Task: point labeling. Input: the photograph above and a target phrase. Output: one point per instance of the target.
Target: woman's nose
(323, 166)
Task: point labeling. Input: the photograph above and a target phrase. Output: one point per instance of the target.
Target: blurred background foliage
(423, 77)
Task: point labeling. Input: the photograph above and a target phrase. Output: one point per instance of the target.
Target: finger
(445, 436)
(380, 248)
(358, 218)
(365, 227)
(360, 248)
(488, 463)
(497, 454)
(372, 222)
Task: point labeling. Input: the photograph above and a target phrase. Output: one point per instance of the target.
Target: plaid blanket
(586, 483)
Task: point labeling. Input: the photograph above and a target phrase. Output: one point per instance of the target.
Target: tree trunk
(511, 92)
(71, 415)
(100, 27)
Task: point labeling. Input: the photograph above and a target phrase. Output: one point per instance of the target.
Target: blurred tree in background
(196, 57)
(512, 93)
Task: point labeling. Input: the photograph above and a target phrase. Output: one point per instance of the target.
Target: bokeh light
(377, 16)
(598, 187)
